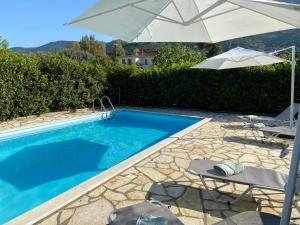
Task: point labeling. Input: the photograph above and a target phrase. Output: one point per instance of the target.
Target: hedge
(42, 83)
(37, 84)
(252, 90)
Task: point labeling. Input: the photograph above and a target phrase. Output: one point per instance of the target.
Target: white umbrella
(237, 58)
(187, 20)
(241, 57)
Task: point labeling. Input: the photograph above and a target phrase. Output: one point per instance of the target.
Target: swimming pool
(39, 164)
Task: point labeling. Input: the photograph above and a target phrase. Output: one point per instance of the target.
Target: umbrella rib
(205, 11)
(196, 6)
(258, 62)
(108, 11)
(178, 11)
(240, 60)
(204, 25)
(220, 67)
(261, 13)
(211, 40)
(156, 15)
(167, 20)
(219, 14)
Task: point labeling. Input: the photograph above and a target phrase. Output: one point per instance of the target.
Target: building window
(129, 61)
(146, 61)
(123, 61)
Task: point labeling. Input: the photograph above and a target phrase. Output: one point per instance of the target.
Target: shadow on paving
(247, 141)
(193, 201)
(265, 144)
(233, 127)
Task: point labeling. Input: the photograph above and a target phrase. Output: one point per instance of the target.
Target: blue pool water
(37, 166)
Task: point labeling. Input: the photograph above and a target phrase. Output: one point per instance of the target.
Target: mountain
(146, 46)
(266, 42)
(56, 46)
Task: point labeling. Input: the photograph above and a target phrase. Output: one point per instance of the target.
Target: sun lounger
(251, 218)
(280, 119)
(279, 130)
(253, 177)
(130, 214)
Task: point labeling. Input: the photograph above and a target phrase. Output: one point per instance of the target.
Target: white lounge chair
(280, 119)
(253, 177)
(251, 218)
(129, 215)
(279, 130)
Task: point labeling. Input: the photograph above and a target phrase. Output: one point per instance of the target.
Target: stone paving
(29, 121)
(164, 177)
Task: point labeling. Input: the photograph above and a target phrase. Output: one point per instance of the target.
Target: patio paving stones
(163, 175)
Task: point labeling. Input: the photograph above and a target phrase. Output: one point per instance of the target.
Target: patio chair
(244, 218)
(130, 214)
(253, 177)
(251, 218)
(280, 119)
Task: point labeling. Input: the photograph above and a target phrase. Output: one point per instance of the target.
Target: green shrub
(177, 56)
(72, 84)
(36, 84)
(42, 83)
(255, 89)
(22, 86)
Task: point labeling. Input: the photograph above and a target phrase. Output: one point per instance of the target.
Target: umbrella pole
(293, 68)
(290, 188)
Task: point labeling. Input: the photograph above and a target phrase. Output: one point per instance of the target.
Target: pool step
(107, 114)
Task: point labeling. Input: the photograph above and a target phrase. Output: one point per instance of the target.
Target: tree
(99, 49)
(75, 46)
(136, 51)
(210, 49)
(3, 43)
(118, 49)
(88, 49)
(178, 55)
(251, 44)
(92, 46)
(78, 54)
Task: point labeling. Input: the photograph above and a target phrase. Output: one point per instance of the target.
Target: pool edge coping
(51, 124)
(49, 207)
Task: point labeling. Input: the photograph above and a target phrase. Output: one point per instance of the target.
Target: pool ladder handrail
(109, 101)
(106, 114)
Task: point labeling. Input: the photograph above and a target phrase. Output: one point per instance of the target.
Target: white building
(141, 59)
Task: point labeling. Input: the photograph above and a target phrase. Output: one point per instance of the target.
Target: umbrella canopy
(207, 21)
(237, 58)
(241, 57)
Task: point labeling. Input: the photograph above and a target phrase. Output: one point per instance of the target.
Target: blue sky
(31, 23)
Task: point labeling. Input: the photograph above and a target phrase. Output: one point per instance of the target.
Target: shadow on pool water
(36, 165)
